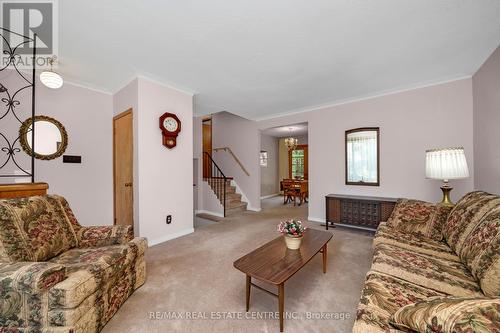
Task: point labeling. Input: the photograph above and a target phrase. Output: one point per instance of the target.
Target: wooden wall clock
(170, 127)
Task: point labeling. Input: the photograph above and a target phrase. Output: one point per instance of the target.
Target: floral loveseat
(434, 270)
(57, 276)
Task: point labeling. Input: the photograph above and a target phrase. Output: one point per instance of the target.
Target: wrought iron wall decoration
(10, 101)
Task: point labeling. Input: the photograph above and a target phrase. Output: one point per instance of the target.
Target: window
(297, 162)
(362, 156)
(263, 158)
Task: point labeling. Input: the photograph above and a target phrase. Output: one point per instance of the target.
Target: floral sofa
(435, 269)
(57, 276)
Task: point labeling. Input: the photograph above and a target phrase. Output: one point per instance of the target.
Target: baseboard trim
(203, 211)
(269, 196)
(355, 227)
(322, 220)
(170, 237)
(316, 219)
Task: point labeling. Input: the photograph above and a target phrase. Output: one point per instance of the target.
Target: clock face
(170, 124)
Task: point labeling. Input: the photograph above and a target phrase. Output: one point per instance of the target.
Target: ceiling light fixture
(50, 78)
(291, 142)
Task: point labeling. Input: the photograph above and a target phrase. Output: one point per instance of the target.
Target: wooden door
(123, 153)
(207, 146)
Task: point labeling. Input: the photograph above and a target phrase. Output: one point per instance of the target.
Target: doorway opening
(123, 156)
(207, 145)
(284, 161)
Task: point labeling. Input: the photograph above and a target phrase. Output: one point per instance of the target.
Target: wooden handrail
(227, 149)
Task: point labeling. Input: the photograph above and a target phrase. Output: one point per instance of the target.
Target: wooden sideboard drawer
(358, 211)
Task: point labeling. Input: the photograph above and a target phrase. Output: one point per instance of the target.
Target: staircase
(221, 185)
(234, 205)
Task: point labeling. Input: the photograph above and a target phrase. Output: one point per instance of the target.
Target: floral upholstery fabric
(419, 217)
(30, 277)
(441, 286)
(465, 216)
(104, 236)
(81, 281)
(381, 297)
(419, 244)
(441, 275)
(481, 252)
(450, 315)
(33, 229)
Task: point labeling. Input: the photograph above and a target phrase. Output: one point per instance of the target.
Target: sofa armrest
(104, 236)
(30, 277)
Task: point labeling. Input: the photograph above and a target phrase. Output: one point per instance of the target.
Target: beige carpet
(194, 275)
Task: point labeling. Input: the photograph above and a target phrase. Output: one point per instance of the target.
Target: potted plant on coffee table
(293, 231)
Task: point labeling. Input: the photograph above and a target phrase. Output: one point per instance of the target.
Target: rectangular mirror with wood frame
(362, 156)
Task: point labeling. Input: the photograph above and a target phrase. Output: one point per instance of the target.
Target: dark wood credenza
(357, 211)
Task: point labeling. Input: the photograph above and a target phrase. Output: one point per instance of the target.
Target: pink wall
(165, 176)
(410, 122)
(243, 137)
(486, 92)
(86, 116)
(269, 184)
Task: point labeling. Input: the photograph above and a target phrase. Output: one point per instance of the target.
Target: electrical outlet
(169, 219)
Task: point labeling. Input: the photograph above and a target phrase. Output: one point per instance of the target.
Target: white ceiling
(286, 131)
(261, 58)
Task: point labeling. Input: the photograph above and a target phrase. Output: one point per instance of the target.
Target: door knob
(128, 184)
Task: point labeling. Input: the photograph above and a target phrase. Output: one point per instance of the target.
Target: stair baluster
(215, 178)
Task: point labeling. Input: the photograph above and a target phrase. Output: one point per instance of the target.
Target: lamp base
(446, 188)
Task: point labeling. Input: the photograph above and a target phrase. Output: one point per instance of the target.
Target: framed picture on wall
(263, 158)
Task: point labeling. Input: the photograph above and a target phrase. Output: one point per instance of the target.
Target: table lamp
(446, 164)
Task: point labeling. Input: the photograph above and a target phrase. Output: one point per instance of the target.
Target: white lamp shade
(446, 163)
(51, 79)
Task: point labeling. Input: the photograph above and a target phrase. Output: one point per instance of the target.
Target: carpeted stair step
(231, 197)
(209, 217)
(235, 208)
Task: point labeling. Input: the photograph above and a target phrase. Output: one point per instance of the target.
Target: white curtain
(362, 157)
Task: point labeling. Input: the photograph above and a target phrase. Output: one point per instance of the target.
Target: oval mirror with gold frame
(51, 139)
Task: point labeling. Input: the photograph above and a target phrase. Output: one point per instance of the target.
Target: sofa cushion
(442, 275)
(34, 229)
(465, 216)
(89, 269)
(450, 315)
(381, 297)
(421, 218)
(480, 252)
(418, 244)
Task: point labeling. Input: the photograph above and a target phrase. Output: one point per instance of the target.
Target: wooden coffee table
(275, 264)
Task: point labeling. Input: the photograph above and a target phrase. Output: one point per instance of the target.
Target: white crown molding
(362, 98)
(152, 79)
(123, 85)
(166, 84)
(87, 86)
(72, 82)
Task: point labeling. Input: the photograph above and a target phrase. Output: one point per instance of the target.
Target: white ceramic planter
(293, 243)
